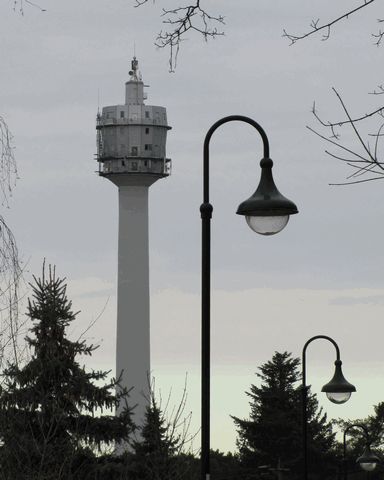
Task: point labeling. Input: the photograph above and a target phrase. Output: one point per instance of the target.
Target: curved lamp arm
(354, 425)
(303, 364)
(208, 136)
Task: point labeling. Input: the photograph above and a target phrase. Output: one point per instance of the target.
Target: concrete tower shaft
(131, 151)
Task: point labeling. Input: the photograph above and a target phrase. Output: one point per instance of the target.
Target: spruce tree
(160, 453)
(156, 448)
(273, 432)
(52, 410)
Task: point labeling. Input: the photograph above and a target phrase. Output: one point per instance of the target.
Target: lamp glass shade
(368, 467)
(368, 460)
(267, 225)
(338, 390)
(339, 398)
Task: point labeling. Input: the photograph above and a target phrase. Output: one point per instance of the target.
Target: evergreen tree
(159, 455)
(273, 432)
(52, 410)
(225, 466)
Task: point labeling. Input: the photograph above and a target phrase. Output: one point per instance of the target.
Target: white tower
(131, 142)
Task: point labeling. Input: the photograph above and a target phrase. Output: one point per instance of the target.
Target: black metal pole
(304, 392)
(304, 388)
(206, 215)
(345, 472)
(365, 430)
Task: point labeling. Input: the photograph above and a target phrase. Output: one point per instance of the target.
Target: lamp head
(338, 390)
(267, 211)
(368, 461)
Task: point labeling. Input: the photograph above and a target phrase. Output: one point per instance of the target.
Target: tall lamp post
(267, 212)
(368, 461)
(338, 390)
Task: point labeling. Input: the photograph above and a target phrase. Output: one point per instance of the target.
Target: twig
(181, 20)
(314, 25)
(19, 5)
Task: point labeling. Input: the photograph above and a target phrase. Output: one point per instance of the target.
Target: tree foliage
(164, 450)
(155, 450)
(272, 434)
(52, 410)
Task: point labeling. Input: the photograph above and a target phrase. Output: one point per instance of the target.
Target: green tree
(52, 410)
(154, 451)
(225, 466)
(273, 431)
(160, 454)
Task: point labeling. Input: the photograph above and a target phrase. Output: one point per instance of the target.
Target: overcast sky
(322, 275)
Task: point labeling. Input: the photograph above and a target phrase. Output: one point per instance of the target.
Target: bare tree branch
(179, 21)
(326, 28)
(8, 169)
(379, 91)
(19, 6)
(10, 266)
(339, 123)
(366, 162)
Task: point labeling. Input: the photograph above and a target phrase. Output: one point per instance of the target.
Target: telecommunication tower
(131, 142)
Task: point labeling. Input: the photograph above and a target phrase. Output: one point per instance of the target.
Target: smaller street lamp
(338, 390)
(368, 461)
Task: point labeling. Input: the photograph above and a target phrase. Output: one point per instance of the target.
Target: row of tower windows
(134, 165)
(134, 150)
(147, 113)
(122, 114)
(129, 166)
(122, 131)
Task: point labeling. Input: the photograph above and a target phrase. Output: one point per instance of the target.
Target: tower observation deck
(131, 138)
(131, 141)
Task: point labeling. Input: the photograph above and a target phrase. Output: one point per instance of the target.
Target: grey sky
(318, 274)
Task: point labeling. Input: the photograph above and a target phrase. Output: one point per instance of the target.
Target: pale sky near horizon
(321, 275)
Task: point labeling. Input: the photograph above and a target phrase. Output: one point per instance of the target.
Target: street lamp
(338, 390)
(368, 461)
(267, 212)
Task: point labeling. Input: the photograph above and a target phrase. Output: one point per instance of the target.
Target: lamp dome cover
(267, 201)
(338, 384)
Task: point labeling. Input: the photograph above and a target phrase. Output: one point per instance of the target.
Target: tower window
(148, 146)
(147, 131)
(122, 115)
(146, 114)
